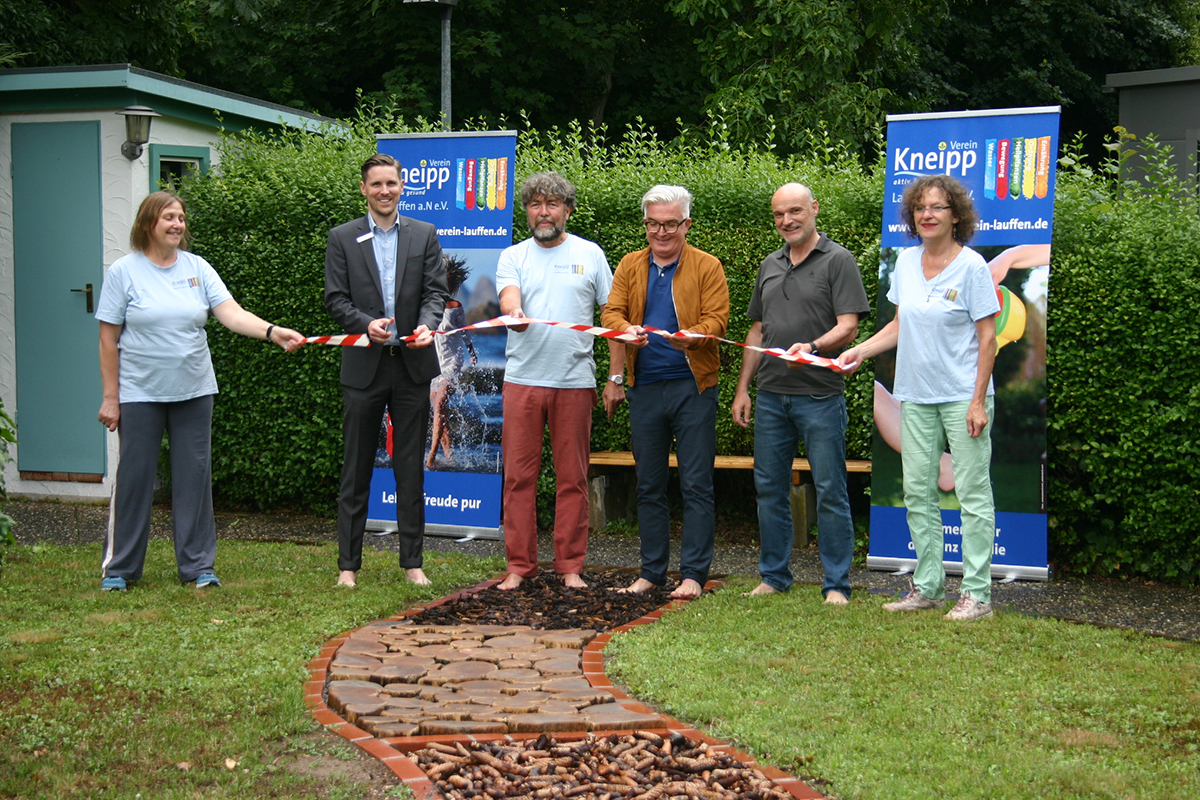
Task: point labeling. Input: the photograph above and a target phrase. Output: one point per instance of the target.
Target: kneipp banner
(1006, 159)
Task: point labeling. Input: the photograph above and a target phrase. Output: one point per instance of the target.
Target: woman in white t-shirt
(945, 334)
(157, 375)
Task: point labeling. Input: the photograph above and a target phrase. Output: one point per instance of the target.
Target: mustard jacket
(701, 297)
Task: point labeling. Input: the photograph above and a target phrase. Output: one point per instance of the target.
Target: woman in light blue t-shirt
(157, 376)
(945, 334)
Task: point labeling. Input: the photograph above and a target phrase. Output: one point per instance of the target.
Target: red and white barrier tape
(506, 321)
(345, 340)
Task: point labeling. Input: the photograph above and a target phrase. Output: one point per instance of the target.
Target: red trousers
(527, 412)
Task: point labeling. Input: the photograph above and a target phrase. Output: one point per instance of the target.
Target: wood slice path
(462, 673)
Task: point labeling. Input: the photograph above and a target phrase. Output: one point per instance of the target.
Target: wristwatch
(812, 348)
(619, 380)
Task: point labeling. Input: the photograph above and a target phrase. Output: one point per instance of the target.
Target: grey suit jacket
(354, 297)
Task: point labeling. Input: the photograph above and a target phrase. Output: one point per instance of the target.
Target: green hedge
(8, 435)
(732, 220)
(261, 218)
(1123, 460)
(262, 214)
(1124, 400)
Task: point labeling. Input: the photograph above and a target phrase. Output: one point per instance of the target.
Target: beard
(547, 233)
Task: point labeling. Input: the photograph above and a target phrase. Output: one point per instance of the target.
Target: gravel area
(1154, 608)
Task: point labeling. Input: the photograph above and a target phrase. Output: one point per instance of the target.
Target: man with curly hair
(550, 377)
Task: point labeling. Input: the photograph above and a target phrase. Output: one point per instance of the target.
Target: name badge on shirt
(365, 237)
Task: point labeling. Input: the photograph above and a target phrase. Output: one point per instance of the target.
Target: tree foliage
(784, 70)
(311, 56)
(989, 54)
(781, 74)
(59, 32)
(589, 60)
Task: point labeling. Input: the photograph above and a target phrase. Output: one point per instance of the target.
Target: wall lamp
(137, 129)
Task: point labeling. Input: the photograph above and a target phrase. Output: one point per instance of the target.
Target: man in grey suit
(384, 276)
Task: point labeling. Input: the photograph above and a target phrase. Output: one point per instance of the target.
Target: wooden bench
(803, 495)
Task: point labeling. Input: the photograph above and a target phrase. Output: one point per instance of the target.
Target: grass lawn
(885, 707)
(169, 692)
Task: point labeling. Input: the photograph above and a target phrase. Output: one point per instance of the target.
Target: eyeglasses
(934, 209)
(654, 226)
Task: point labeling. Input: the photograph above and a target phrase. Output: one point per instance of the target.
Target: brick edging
(393, 752)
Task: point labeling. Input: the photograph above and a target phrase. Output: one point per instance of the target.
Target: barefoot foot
(687, 590)
(346, 578)
(762, 588)
(836, 598)
(573, 581)
(511, 581)
(417, 576)
(640, 586)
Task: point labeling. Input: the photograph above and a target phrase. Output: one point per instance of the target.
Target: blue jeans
(660, 412)
(780, 420)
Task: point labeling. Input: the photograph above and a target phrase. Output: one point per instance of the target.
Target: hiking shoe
(207, 579)
(914, 601)
(968, 609)
(113, 584)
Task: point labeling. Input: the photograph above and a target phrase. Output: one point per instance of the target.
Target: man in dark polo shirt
(807, 298)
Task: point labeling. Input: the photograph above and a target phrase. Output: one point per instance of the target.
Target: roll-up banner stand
(1006, 158)
(462, 183)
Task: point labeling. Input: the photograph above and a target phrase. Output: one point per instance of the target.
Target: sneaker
(207, 579)
(113, 584)
(968, 609)
(914, 601)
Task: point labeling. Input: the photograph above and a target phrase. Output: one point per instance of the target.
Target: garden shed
(72, 174)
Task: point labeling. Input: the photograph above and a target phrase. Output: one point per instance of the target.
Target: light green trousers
(924, 431)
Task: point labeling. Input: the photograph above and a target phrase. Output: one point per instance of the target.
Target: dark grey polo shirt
(800, 304)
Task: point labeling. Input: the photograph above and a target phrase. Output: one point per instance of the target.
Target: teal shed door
(58, 254)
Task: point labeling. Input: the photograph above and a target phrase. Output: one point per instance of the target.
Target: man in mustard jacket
(672, 392)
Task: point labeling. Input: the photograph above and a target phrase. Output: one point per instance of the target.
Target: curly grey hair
(548, 185)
